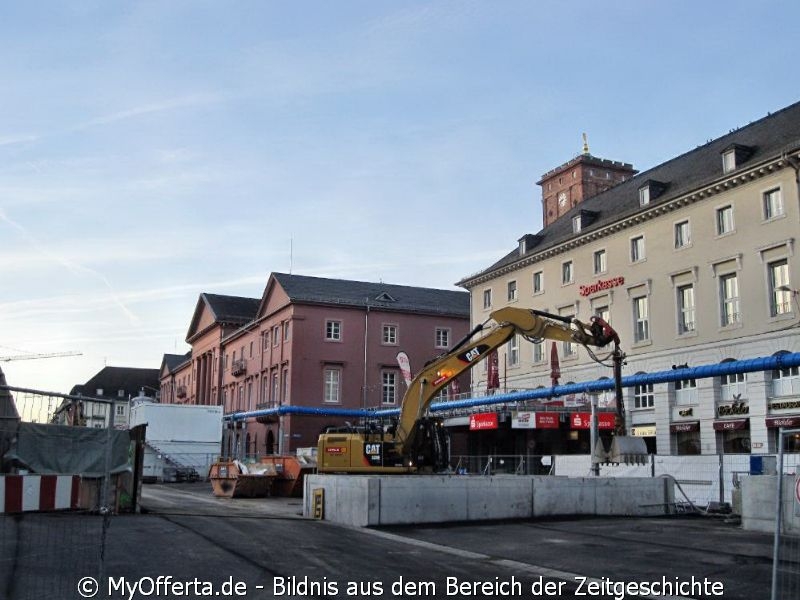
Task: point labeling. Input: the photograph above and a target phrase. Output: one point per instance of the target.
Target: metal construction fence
(786, 552)
(52, 522)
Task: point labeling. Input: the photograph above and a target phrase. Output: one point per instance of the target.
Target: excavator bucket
(628, 449)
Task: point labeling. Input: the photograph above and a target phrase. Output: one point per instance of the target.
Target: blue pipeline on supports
(767, 363)
(311, 411)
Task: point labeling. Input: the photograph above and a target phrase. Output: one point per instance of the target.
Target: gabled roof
(112, 379)
(225, 310)
(171, 362)
(766, 139)
(302, 289)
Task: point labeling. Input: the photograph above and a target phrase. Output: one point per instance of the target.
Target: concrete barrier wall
(372, 500)
(759, 502)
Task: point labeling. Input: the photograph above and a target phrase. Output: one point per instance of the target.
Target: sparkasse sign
(483, 421)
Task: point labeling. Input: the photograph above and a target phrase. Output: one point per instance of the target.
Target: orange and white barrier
(38, 493)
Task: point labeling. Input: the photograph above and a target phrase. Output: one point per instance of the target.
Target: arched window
(785, 382)
(733, 386)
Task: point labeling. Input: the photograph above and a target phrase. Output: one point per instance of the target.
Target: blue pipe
(767, 363)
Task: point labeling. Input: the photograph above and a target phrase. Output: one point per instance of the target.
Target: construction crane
(36, 356)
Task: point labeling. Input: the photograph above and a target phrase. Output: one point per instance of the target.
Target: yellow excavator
(419, 443)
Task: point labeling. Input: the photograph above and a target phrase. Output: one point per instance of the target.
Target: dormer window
(384, 297)
(650, 190)
(583, 219)
(527, 242)
(734, 156)
(728, 161)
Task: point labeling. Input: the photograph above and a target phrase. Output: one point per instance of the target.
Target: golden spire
(585, 144)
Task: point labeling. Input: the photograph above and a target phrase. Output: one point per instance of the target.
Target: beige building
(693, 263)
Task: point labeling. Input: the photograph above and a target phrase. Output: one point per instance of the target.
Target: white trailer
(181, 441)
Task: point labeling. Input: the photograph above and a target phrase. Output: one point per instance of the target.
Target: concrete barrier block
(423, 499)
(499, 497)
(562, 496)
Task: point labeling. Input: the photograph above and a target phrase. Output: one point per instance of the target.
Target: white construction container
(181, 440)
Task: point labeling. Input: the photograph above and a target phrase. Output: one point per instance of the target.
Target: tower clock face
(562, 199)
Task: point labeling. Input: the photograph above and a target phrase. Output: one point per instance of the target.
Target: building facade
(117, 386)
(692, 262)
(311, 342)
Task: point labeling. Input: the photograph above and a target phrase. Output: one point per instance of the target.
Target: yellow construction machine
(419, 443)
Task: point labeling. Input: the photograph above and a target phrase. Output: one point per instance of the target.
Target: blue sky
(151, 151)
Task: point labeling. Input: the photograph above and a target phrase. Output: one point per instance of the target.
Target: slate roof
(113, 379)
(236, 310)
(171, 361)
(767, 138)
(360, 294)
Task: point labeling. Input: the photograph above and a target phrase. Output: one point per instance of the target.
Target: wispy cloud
(170, 104)
(10, 140)
(71, 266)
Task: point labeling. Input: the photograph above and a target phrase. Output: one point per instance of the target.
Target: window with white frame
(686, 391)
(732, 386)
(442, 337)
(780, 301)
(576, 224)
(604, 312)
(389, 337)
(513, 351)
(786, 382)
(285, 389)
(773, 204)
(725, 220)
(729, 299)
(644, 196)
(276, 335)
(286, 327)
(332, 378)
(275, 378)
(120, 410)
(333, 331)
(538, 282)
(686, 309)
(512, 291)
(643, 395)
(641, 319)
(567, 272)
(637, 248)
(569, 349)
(599, 261)
(682, 238)
(487, 298)
(728, 161)
(389, 387)
(538, 351)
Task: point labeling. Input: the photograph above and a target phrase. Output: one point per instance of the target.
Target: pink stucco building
(312, 342)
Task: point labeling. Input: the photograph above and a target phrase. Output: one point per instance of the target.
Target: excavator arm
(510, 321)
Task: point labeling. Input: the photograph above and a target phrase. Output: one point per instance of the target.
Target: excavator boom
(419, 441)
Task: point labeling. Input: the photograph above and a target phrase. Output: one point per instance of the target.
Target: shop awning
(787, 421)
(731, 424)
(684, 426)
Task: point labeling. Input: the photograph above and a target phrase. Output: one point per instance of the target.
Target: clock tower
(574, 181)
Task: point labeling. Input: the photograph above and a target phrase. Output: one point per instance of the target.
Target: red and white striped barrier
(31, 493)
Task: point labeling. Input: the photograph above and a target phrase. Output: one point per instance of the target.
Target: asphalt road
(263, 548)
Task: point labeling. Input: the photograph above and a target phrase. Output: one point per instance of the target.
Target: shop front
(774, 424)
(733, 435)
(686, 437)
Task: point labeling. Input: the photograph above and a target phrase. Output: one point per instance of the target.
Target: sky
(152, 151)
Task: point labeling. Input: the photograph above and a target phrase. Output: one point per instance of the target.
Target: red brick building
(312, 342)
